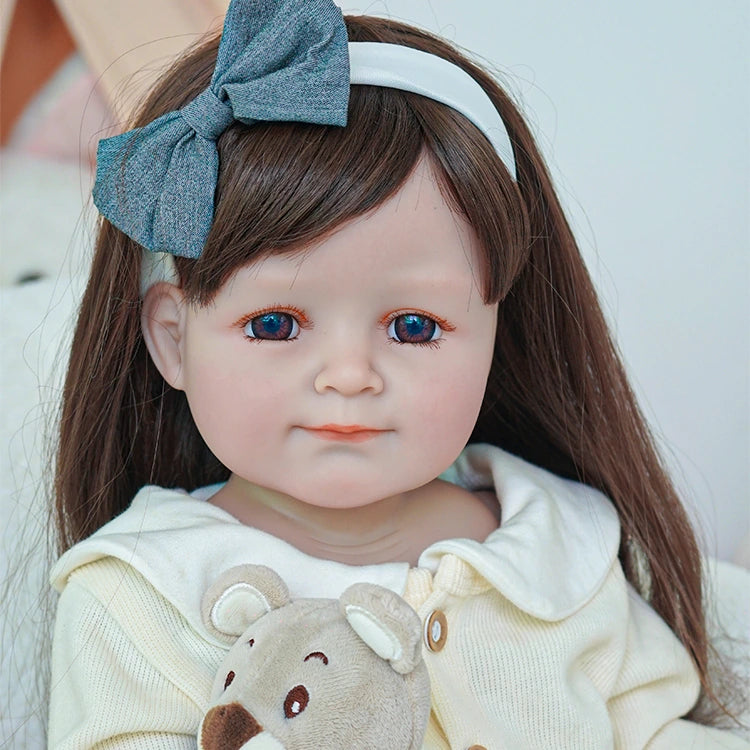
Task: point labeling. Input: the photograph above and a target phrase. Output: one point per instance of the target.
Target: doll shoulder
(442, 510)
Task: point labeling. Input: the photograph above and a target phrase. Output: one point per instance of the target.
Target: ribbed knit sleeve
(128, 672)
(656, 682)
(656, 685)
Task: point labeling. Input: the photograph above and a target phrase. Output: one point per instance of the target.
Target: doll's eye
(413, 328)
(296, 701)
(274, 325)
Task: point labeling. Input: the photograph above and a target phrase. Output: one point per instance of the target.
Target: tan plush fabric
(317, 673)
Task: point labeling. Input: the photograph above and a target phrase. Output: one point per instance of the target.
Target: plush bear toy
(313, 673)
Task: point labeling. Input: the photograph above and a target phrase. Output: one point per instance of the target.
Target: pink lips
(345, 433)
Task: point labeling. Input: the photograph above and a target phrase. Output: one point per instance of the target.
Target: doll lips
(346, 433)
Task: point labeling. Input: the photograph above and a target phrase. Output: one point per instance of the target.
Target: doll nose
(348, 371)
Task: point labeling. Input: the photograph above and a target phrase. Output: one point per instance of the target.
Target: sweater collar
(557, 541)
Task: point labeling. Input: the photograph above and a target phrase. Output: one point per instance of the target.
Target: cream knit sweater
(546, 645)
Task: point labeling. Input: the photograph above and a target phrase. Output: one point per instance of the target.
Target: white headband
(407, 69)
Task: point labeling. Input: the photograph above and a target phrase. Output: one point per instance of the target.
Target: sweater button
(477, 747)
(436, 630)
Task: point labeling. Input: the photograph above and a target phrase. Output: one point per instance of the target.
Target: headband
(278, 61)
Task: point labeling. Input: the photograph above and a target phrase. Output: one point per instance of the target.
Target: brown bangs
(283, 186)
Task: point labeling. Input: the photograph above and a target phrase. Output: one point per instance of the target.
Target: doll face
(353, 371)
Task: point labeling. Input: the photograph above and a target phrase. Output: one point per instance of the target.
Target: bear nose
(228, 727)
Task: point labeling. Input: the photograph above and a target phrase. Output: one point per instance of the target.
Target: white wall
(643, 112)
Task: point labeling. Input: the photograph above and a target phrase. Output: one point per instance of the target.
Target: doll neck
(394, 529)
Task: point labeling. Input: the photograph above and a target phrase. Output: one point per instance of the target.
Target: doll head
(282, 188)
(554, 386)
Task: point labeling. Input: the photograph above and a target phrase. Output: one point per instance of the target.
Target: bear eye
(229, 679)
(296, 701)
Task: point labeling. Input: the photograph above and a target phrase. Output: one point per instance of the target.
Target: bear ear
(386, 623)
(239, 596)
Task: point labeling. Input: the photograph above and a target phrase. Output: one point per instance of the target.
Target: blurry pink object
(66, 118)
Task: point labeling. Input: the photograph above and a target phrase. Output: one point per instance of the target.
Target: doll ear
(161, 323)
(239, 596)
(386, 623)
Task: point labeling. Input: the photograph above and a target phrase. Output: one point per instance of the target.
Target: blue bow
(278, 60)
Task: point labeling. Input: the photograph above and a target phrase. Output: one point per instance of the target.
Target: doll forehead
(418, 206)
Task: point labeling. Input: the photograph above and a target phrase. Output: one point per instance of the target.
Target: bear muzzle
(228, 727)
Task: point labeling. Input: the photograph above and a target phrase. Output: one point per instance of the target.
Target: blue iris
(413, 329)
(273, 326)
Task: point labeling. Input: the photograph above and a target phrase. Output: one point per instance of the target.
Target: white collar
(556, 544)
(557, 541)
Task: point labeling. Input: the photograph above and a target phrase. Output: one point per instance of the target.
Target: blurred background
(642, 110)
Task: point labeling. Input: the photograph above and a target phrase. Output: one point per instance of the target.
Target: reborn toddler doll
(337, 325)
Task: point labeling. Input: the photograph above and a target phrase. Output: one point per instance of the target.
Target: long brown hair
(557, 393)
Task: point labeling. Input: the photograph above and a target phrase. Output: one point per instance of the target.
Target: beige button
(435, 630)
(477, 747)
